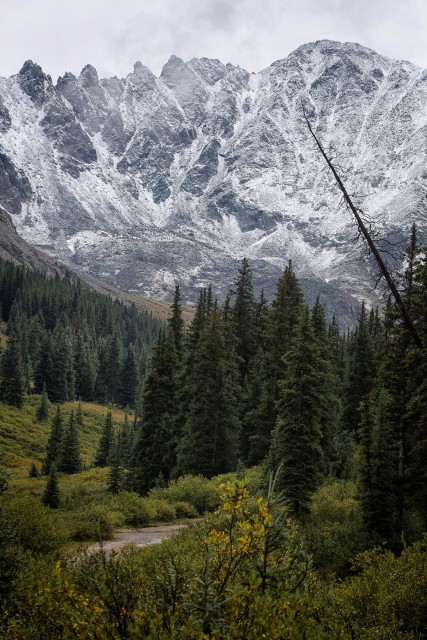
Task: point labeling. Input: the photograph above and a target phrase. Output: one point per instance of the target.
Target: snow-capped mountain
(149, 181)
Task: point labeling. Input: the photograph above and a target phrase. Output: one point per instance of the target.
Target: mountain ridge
(149, 181)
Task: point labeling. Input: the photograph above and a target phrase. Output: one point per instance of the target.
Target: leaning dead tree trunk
(367, 236)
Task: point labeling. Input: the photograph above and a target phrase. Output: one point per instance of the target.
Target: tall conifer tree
(105, 443)
(53, 446)
(69, 460)
(155, 446)
(296, 443)
(12, 380)
(210, 441)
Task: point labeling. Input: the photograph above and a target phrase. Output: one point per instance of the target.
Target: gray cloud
(113, 34)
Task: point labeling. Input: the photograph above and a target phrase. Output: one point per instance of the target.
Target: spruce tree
(116, 475)
(53, 446)
(260, 416)
(210, 441)
(51, 496)
(42, 413)
(244, 315)
(156, 441)
(12, 381)
(176, 324)
(43, 374)
(33, 472)
(329, 409)
(128, 380)
(69, 460)
(361, 374)
(105, 443)
(63, 381)
(296, 441)
(79, 414)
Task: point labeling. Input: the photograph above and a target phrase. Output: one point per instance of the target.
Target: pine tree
(279, 330)
(85, 369)
(53, 446)
(361, 375)
(79, 414)
(114, 357)
(176, 324)
(415, 435)
(210, 441)
(329, 408)
(126, 441)
(116, 476)
(244, 315)
(128, 380)
(69, 455)
(378, 466)
(63, 381)
(285, 313)
(296, 442)
(43, 374)
(155, 446)
(105, 443)
(51, 496)
(260, 416)
(12, 381)
(42, 413)
(33, 472)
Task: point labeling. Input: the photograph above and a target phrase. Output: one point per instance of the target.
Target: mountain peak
(89, 76)
(34, 82)
(159, 180)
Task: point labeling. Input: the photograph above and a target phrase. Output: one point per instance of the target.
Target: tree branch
(364, 231)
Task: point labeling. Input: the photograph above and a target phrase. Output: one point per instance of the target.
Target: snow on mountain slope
(148, 181)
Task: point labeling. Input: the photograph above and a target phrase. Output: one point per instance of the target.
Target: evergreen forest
(295, 451)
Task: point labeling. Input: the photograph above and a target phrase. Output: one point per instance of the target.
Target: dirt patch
(139, 537)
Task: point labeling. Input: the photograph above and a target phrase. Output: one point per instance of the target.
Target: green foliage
(361, 373)
(105, 443)
(93, 522)
(197, 491)
(51, 496)
(154, 452)
(38, 529)
(296, 444)
(334, 531)
(135, 511)
(33, 472)
(12, 380)
(53, 447)
(43, 409)
(164, 511)
(67, 337)
(116, 475)
(69, 460)
(209, 444)
(386, 599)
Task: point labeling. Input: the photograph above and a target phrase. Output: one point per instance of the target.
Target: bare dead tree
(368, 238)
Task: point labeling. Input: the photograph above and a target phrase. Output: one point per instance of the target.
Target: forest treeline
(247, 383)
(274, 384)
(70, 340)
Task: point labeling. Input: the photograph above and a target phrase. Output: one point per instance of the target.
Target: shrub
(185, 510)
(334, 530)
(93, 523)
(196, 490)
(37, 528)
(136, 511)
(165, 512)
(387, 599)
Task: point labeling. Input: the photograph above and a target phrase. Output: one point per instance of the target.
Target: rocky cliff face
(147, 181)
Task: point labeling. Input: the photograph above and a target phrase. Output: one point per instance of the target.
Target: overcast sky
(64, 35)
